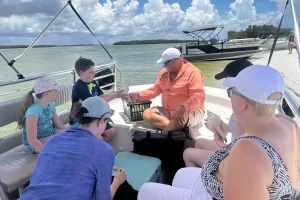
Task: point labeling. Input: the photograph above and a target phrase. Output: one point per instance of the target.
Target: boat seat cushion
(17, 164)
(16, 168)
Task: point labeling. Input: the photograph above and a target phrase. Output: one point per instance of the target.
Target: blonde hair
(263, 109)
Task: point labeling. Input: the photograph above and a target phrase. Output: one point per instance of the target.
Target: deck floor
(217, 102)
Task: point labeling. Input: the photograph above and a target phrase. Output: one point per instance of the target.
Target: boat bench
(16, 163)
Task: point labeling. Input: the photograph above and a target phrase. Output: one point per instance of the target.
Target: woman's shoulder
(248, 154)
(249, 149)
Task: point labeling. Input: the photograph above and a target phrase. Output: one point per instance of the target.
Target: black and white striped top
(281, 188)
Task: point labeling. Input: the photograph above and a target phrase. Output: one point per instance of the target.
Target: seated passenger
(38, 116)
(77, 164)
(183, 96)
(86, 87)
(196, 157)
(257, 165)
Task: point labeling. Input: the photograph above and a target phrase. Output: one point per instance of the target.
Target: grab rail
(98, 68)
(72, 71)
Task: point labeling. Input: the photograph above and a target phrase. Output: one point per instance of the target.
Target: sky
(21, 21)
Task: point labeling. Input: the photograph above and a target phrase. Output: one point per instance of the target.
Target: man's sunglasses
(167, 62)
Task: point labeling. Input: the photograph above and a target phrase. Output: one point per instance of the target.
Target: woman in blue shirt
(38, 117)
(77, 164)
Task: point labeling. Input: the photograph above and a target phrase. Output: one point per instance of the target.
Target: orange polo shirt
(186, 89)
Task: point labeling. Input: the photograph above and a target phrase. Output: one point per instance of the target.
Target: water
(137, 63)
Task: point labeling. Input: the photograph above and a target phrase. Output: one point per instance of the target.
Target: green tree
(253, 31)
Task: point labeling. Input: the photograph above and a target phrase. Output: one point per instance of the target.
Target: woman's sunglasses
(230, 92)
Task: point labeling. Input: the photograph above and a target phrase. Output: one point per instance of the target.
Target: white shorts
(186, 185)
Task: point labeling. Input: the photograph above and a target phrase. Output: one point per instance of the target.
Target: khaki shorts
(195, 117)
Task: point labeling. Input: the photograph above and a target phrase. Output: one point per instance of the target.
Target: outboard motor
(105, 80)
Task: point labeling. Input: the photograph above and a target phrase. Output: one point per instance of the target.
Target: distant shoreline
(40, 46)
(131, 42)
(159, 41)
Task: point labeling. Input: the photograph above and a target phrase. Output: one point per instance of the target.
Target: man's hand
(179, 116)
(122, 95)
(134, 96)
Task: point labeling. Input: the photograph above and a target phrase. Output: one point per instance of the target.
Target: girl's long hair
(28, 101)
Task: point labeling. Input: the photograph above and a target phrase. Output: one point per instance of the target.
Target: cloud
(201, 13)
(243, 10)
(28, 7)
(288, 18)
(119, 19)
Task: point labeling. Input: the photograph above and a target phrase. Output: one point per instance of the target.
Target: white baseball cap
(45, 84)
(96, 107)
(258, 82)
(169, 54)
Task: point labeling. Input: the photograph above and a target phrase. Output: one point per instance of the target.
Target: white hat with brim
(258, 82)
(45, 84)
(169, 54)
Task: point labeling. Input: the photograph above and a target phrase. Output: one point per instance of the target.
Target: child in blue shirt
(86, 87)
(77, 164)
(38, 117)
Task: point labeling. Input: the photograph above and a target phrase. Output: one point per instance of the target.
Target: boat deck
(217, 102)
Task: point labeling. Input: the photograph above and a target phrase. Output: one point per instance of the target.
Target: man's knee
(147, 114)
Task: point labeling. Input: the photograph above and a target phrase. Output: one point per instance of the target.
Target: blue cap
(96, 107)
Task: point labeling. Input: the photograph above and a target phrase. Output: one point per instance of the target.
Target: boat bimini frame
(98, 67)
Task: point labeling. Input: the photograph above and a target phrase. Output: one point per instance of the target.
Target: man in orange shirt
(183, 96)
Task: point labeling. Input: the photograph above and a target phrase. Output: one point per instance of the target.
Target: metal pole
(296, 31)
(4, 58)
(115, 77)
(42, 33)
(17, 72)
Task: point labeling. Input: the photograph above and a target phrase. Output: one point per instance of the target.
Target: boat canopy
(204, 28)
(209, 32)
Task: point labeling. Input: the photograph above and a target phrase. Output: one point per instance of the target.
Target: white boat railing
(98, 68)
